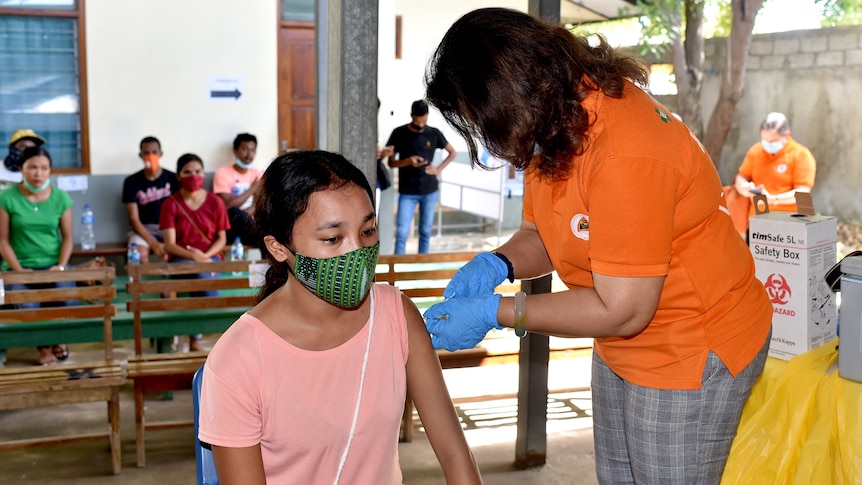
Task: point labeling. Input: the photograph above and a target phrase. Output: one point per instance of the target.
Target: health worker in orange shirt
(623, 202)
(778, 166)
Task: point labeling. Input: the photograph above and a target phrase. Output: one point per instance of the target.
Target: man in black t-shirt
(414, 146)
(143, 194)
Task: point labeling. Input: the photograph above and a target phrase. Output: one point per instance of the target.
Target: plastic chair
(206, 469)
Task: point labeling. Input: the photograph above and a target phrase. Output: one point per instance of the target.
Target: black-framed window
(42, 77)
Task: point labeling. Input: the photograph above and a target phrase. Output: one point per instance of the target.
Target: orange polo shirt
(791, 167)
(646, 200)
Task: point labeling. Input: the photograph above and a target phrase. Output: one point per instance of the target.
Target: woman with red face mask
(193, 222)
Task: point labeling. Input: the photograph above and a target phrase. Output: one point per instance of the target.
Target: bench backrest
(420, 275)
(423, 277)
(149, 282)
(93, 291)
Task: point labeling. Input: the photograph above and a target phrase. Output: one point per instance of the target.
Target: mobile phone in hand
(755, 191)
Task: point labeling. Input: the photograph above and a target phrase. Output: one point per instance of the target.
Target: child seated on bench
(193, 222)
(309, 385)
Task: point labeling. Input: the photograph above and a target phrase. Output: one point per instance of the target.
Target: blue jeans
(205, 276)
(37, 286)
(406, 207)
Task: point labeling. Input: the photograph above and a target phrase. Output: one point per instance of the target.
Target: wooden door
(296, 85)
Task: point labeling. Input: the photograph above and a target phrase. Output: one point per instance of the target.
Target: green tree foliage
(660, 22)
(840, 12)
(674, 30)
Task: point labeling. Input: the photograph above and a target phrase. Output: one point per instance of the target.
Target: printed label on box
(791, 255)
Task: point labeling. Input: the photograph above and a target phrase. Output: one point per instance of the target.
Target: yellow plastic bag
(801, 425)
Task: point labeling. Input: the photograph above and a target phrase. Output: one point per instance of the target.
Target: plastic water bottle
(235, 189)
(133, 256)
(88, 221)
(237, 252)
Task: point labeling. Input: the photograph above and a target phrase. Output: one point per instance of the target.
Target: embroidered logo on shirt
(663, 115)
(781, 168)
(580, 225)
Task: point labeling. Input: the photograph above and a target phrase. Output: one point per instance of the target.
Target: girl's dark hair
(186, 159)
(283, 194)
(31, 152)
(516, 83)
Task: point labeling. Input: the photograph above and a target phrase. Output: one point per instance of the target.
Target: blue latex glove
(478, 277)
(461, 323)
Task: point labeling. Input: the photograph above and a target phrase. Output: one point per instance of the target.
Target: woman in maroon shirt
(194, 222)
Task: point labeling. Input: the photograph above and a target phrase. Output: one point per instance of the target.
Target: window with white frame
(42, 77)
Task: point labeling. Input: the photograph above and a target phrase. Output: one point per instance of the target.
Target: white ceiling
(578, 11)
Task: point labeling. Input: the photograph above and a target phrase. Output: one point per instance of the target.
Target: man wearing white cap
(10, 171)
(778, 166)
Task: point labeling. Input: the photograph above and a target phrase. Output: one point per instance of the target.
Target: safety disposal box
(850, 345)
(792, 253)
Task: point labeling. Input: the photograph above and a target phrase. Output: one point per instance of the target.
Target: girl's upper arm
(239, 465)
(422, 359)
(431, 397)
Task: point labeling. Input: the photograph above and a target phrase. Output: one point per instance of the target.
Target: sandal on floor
(60, 351)
(51, 358)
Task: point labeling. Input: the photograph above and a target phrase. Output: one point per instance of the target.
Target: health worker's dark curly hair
(516, 83)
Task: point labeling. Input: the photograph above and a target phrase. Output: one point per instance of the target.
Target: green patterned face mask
(343, 280)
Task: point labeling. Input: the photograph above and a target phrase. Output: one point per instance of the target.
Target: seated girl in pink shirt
(309, 385)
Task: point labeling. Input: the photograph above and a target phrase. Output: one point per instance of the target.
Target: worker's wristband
(511, 270)
(520, 314)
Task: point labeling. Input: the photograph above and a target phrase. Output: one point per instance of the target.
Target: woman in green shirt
(36, 229)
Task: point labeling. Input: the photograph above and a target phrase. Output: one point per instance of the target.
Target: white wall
(148, 63)
(423, 26)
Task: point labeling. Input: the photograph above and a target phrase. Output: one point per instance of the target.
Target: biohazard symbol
(777, 289)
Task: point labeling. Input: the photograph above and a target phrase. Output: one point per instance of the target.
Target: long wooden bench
(153, 371)
(64, 383)
(160, 325)
(422, 277)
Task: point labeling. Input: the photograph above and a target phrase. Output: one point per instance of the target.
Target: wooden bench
(64, 383)
(423, 277)
(160, 325)
(173, 371)
(102, 249)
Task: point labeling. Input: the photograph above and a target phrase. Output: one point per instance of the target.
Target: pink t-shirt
(228, 180)
(299, 404)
